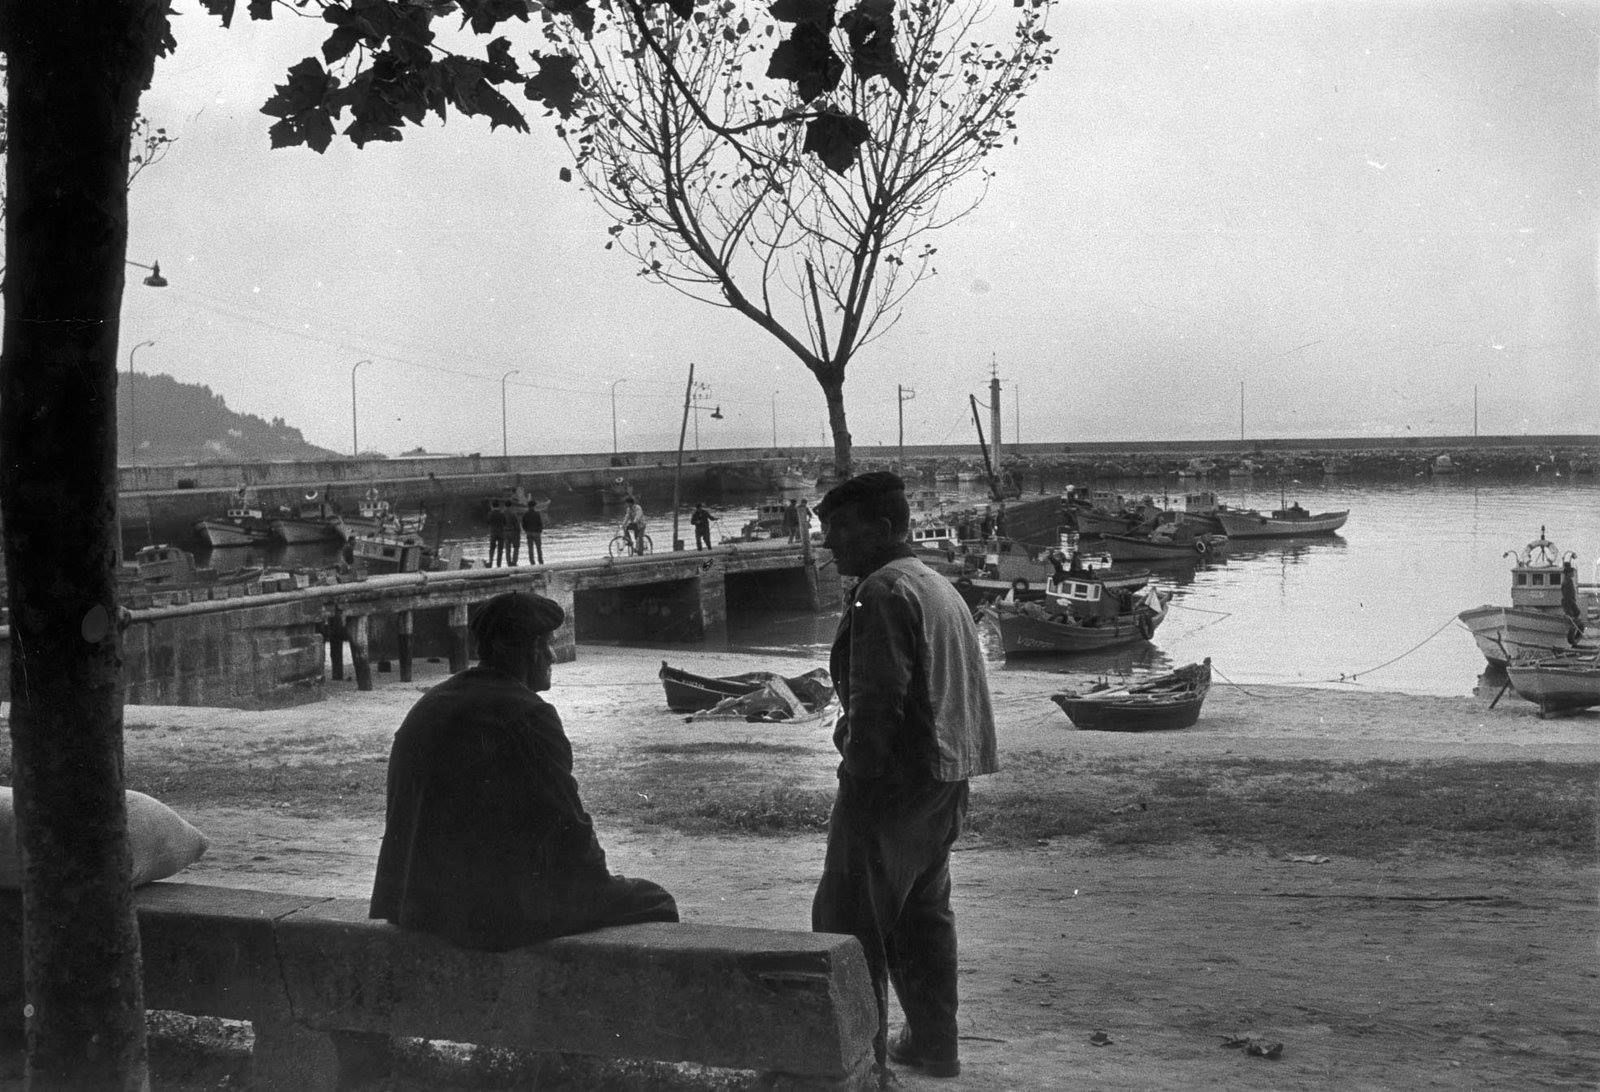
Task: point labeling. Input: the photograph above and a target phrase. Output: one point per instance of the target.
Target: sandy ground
(1453, 973)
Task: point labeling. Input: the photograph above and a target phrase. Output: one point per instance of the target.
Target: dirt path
(1453, 973)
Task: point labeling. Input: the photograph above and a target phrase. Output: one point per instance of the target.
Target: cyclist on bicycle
(633, 524)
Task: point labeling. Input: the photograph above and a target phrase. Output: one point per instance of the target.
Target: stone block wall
(247, 657)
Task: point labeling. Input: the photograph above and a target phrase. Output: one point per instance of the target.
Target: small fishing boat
(1080, 613)
(375, 515)
(1567, 682)
(314, 521)
(1545, 616)
(1289, 522)
(751, 696)
(1169, 539)
(1163, 703)
(159, 566)
(382, 552)
(242, 523)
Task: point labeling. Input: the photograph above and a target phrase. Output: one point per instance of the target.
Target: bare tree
(701, 158)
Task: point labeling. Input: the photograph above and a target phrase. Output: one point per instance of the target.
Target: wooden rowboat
(753, 695)
(1564, 683)
(1160, 704)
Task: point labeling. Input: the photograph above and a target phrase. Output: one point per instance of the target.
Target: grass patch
(718, 747)
(1365, 810)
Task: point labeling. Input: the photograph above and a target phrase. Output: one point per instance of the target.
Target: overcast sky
(1356, 214)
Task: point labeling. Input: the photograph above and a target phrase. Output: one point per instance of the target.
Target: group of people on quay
(506, 528)
(488, 845)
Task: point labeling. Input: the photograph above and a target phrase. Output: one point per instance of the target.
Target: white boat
(314, 521)
(240, 525)
(1566, 682)
(1537, 623)
(374, 515)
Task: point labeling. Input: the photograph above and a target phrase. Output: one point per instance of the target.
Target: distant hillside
(177, 422)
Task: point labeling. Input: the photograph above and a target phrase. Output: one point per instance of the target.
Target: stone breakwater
(1103, 462)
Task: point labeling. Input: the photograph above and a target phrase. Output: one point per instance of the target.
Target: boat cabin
(933, 536)
(1203, 502)
(387, 554)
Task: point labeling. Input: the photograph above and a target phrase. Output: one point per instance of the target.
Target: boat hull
(1022, 634)
(1137, 548)
(1155, 716)
(1257, 525)
(1564, 684)
(1507, 634)
(221, 532)
(297, 532)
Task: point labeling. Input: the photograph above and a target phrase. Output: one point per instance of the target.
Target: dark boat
(1080, 613)
(753, 695)
(1567, 682)
(1160, 704)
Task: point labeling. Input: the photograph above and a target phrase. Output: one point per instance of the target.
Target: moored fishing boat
(1163, 703)
(1080, 613)
(375, 515)
(242, 523)
(314, 521)
(1287, 522)
(1566, 682)
(1169, 539)
(1550, 610)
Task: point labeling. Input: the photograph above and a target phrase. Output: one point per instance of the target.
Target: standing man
(486, 842)
(802, 512)
(791, 522)
(533, 527)
(917, 723)
(497, 533)
(701, 519)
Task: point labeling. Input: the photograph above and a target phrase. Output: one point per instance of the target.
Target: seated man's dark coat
(486, 841)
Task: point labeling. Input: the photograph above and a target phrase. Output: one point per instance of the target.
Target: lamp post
(155, 279)
(905, 394)
(355, 436)
(133, 431)
(614, 383)
(677, 474)
(774, 420)
(503, 449)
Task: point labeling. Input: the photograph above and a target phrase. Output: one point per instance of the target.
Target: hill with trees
(173, 422)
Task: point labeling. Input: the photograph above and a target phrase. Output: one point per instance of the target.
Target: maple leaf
(836, 139)
(806, 58)
(302, 104)
(818, 13)
(556, 85)
(870, 30)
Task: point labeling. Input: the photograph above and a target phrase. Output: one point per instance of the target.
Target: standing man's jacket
(903, 665)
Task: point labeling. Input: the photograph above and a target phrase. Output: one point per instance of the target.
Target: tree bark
(833, 393)
(76, 69)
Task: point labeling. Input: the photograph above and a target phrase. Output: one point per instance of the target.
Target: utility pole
(906, 394)
(994, 414)
(1241, 411)
(677, 473)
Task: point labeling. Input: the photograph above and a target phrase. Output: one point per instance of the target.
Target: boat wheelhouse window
(1521, 578)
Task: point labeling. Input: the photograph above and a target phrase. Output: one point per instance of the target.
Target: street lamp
(155, 279)
(503, 378)
(355, 436)
(774, 420)
(133, 432)
(614, 383)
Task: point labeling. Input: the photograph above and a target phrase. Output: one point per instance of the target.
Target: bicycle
(623, 546)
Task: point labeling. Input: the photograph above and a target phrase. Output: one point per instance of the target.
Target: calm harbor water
(1373, 607)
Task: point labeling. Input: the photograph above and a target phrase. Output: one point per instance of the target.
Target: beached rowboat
(1163, 703)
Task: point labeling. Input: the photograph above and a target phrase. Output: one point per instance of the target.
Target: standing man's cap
(516, 616)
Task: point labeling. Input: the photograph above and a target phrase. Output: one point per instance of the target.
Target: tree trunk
(833, 392)
(76, 68)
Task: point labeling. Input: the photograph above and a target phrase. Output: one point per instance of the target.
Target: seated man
(486, 841)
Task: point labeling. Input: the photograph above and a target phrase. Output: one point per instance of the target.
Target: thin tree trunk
(75, 74)
(843, 457)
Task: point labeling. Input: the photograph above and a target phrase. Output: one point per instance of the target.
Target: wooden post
(334, 627)
(458, 637)
(359, 658)
(404, 621)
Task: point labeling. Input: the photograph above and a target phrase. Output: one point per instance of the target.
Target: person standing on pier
(802, 512)
(917, 722)
(533, 527)
(701, 519)
(497, 533)
(486, 841)
(791, 521)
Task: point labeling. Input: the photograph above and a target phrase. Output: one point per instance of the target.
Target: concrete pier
(271, 648)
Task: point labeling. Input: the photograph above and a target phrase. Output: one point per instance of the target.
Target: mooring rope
(1354, 675)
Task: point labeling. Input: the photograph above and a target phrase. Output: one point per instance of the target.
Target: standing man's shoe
(903, 1052)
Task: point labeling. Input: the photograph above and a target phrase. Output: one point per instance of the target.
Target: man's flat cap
(517, 616)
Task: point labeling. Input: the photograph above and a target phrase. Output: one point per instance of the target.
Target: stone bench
(321, 982)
